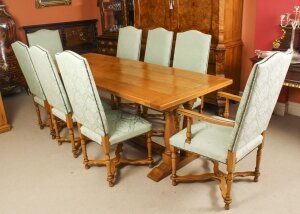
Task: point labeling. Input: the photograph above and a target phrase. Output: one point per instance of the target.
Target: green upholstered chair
(192, 53)
(36, 90)
(55, 93)
(48, 39)
(158, 46)
(129, 43)
(104, 127)
(227, 141)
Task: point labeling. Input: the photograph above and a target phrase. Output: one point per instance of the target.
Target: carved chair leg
(258, 159)
(229, 180)
(38, 113)
(174, 162)
(149, 149)
(69, 121)
(145, 111)
(201, 105)
(108, 162)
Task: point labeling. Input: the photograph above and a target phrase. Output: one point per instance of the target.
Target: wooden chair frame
(112, 163)
(225, 179)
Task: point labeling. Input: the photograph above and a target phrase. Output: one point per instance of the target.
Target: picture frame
(48, 3)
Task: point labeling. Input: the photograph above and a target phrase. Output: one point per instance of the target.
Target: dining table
(157, 87)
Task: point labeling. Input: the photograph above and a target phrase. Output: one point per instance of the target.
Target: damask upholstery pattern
(192, 51)
(259, 98)
(50, 80)
(48, 39)
(24, 60)
(82, 92)
(87, 106)
(129, 43)
(253, 116)
(158, 46)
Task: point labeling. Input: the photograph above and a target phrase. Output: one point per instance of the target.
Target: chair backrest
(28, 70)
(259, 98)
(82, 92)
(49, 78)
(158, 46)
(192, 51)
(48, 39)
(129, 43)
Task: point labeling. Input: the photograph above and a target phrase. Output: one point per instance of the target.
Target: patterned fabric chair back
(24, 60)
(82, 92)
(259, 98)
(158, 47)
(50, 80)
(192, 51)
(129, 43)
(48, 39)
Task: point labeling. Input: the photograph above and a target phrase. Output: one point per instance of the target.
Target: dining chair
(158, 46)
(94, 122)
(191, 53)
(129, 43)
(129, 46)
(226, 141)
(56, 95)
(48, 39)
(33, 82)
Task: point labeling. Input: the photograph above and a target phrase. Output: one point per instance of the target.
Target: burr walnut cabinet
(220, 18)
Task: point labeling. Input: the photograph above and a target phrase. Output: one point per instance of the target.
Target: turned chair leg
(106, 149)
(149, 149)
(38, 113)
(174, 161)
(49, 118)
(69, 121)
(57, 134)
(229, 180)
(258, 159)
(83, 147)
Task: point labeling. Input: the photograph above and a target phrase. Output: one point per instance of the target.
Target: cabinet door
(151, 14)
(198, 15)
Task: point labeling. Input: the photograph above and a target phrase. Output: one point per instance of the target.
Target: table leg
(164, 168)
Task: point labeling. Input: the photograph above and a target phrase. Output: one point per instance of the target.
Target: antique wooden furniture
(11, 77)
(78, 36)
(129, 43)
(48, 39)
(154, 86)
(227, 141)
(4, 126)
(106, 128)
(36, 90)
(158, 47)
(114, 15)
(55, 94)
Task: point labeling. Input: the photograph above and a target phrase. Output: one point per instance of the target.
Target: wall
(25, 13)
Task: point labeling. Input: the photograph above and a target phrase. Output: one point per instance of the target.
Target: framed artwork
(47, 3)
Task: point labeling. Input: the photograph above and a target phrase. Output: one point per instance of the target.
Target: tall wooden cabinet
(220, 18)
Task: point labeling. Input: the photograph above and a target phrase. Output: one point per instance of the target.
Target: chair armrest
(199, 116)
(191, 114)
(229, 96)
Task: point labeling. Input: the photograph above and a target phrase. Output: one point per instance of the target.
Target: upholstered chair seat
(33, 82)
(94, 121)
(228, 141)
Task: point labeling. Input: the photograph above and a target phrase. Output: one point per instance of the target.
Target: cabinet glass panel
(112, 15)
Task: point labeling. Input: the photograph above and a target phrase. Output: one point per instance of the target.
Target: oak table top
(157, 87)
(154, 86)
